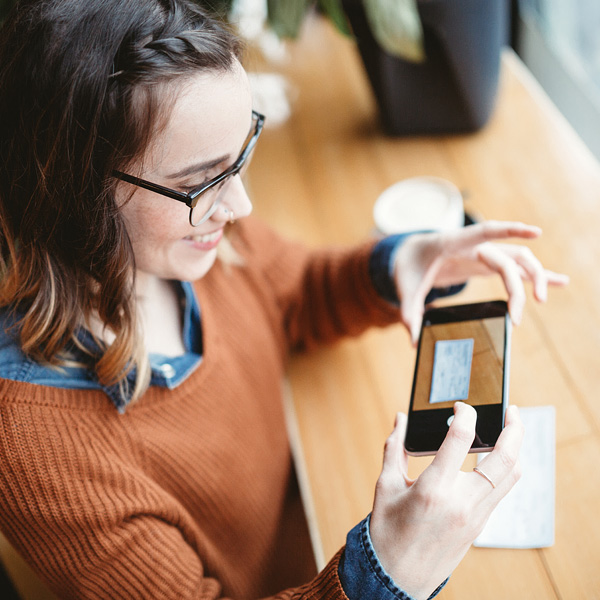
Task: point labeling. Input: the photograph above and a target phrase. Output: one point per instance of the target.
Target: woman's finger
(533, 269)
(490, 231)
(501, 465)
(497, 260)
(457, 443)
(414, 276)
(395, 459)
(412, 317)
(558, 279)
(412, 303)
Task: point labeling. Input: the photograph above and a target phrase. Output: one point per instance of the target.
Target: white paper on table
(524, 518)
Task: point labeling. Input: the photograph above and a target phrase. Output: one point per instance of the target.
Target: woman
(143, 447)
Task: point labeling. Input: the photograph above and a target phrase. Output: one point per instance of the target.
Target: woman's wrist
(362, 574)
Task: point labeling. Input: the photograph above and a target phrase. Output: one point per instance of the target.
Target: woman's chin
(186, 268)
(198, 268)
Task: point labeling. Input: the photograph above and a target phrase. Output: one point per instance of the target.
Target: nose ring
(229, 212)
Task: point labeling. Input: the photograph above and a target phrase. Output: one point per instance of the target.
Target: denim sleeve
(381, 270)
(362, 575)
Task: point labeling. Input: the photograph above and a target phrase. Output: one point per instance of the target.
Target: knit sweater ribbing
(183, 496)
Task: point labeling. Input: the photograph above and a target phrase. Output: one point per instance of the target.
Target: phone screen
(462, 355)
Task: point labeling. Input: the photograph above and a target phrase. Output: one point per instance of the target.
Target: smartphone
(463, 354)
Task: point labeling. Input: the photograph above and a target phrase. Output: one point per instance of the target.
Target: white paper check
(524, 518)
(451, 370)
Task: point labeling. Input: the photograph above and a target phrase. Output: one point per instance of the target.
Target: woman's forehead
(210, 116)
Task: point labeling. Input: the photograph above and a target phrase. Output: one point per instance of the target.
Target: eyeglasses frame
(190, 199)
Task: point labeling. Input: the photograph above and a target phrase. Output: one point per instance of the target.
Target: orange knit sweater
(187, 493)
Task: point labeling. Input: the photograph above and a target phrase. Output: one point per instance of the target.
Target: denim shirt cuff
(381, 270)
(362, 575)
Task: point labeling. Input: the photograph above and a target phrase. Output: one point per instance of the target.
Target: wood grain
(316, 177)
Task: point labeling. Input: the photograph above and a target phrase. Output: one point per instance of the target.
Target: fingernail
(541, 291)
(534, 229)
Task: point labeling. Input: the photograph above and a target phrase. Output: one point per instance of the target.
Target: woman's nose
(235, 198)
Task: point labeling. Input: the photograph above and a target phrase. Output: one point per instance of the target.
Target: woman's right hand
(421, 529)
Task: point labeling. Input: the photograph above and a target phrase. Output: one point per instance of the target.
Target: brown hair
(79, 97)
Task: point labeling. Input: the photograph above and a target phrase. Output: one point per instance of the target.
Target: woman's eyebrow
(197, 168)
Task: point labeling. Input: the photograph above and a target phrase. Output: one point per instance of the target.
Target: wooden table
(316, 177)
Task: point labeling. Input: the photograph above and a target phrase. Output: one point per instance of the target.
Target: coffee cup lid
(419, 204)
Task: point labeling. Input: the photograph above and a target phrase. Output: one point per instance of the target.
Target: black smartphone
(463, 354)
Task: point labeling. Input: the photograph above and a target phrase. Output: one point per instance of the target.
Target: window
(559, 40)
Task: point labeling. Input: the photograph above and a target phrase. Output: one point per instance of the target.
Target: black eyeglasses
(205, 200)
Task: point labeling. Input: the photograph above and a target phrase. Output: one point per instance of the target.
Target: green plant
(395, 23)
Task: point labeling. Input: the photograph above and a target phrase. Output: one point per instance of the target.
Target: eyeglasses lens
(209, 200)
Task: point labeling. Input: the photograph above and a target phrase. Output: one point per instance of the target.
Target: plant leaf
(396, 25)
(333, 9)
(286, 17)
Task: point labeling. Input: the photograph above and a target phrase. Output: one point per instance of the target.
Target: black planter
(454, 90)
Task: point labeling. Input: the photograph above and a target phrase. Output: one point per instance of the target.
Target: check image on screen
(451, 370)
(460, 361)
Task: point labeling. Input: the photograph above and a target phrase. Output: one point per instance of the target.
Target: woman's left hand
(432, 260)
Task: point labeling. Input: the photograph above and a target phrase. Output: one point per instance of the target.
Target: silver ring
(480, 472)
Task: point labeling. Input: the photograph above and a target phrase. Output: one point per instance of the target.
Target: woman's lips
(206, 241)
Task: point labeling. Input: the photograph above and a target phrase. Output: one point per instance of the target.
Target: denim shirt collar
(166, 371)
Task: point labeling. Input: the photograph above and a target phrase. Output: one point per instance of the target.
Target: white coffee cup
(419, 204)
